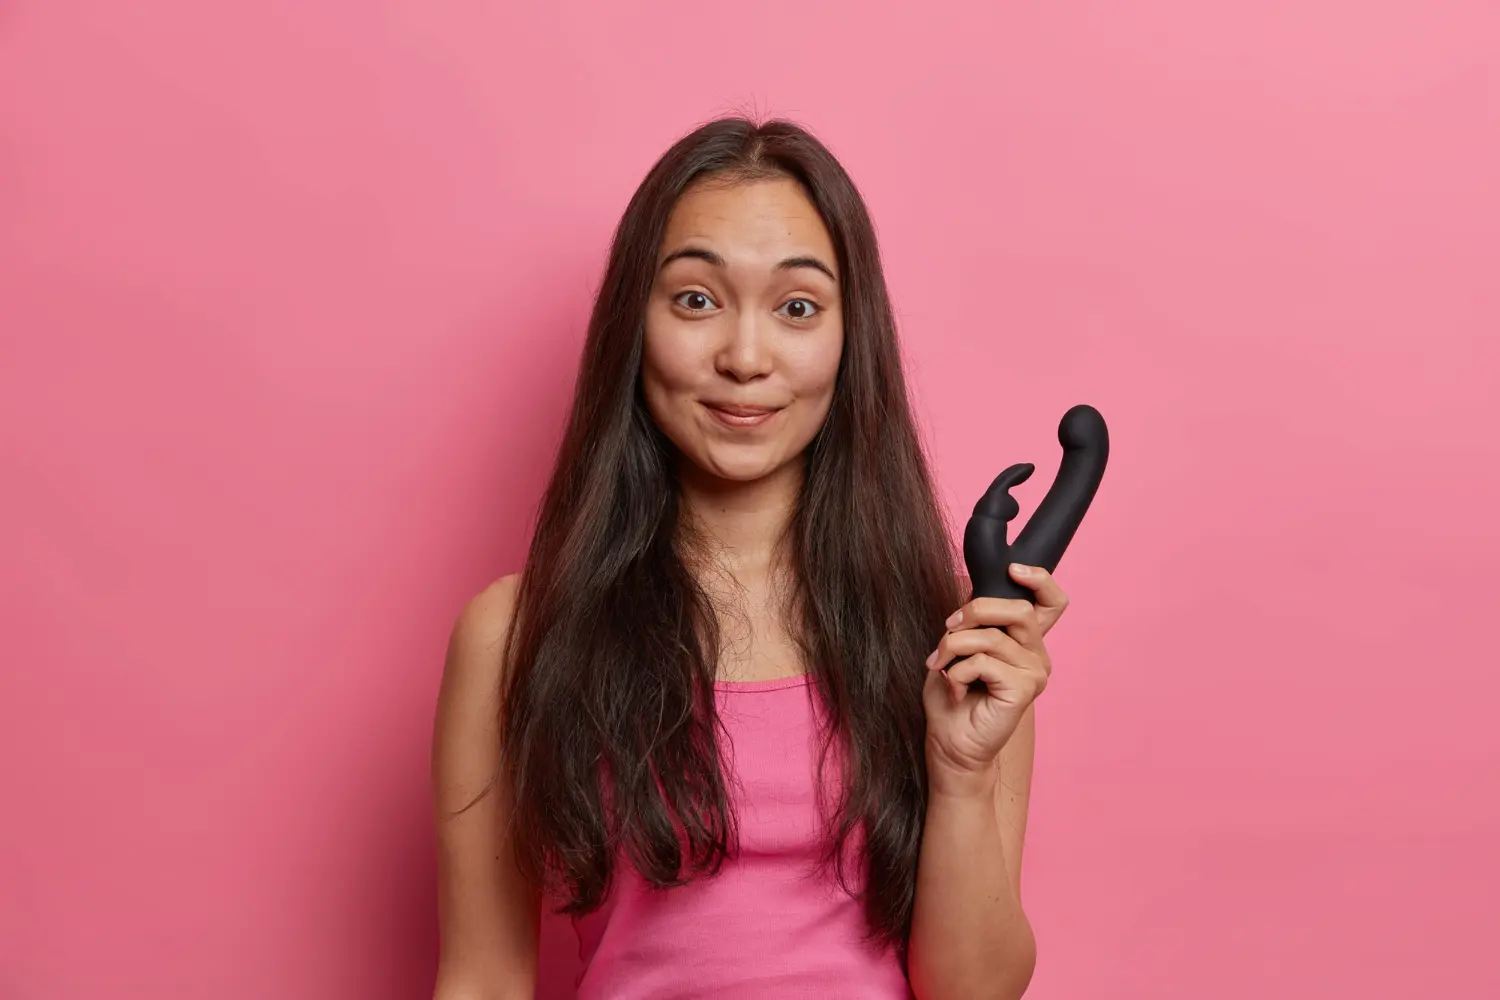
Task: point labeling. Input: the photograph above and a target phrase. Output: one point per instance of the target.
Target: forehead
(763, 217)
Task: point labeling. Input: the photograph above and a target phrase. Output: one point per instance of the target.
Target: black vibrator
(987, 554)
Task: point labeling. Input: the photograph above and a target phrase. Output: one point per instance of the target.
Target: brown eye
(695, 301)
(799, 309)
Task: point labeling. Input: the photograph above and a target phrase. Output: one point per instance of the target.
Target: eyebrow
(709, 257)
(812, 262)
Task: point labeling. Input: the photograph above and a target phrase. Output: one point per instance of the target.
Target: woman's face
(744, 329)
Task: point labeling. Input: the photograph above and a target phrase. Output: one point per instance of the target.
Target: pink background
(291, 294)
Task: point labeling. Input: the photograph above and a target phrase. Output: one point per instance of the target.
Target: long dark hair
(608, 720)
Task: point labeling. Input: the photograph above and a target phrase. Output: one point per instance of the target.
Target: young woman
(700, 716)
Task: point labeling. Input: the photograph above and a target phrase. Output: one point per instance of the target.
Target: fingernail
(932, 658)
(1020, 570)
(955, 618)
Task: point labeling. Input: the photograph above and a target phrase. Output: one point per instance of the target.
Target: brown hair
(608, 720)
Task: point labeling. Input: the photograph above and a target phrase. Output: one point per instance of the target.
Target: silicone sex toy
(987, 554)
(1085, 442)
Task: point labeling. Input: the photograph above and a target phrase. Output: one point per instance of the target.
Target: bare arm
(488, 916)
(970, 937)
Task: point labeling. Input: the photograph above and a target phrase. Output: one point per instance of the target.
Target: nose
(746, 353)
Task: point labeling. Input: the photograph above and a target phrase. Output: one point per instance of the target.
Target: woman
(699, 716)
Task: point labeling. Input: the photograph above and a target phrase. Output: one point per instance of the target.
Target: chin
(734, 468)
(740, 472)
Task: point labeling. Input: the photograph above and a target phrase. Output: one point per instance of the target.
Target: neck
(740, 524)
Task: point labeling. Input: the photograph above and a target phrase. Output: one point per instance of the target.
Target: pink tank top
(770, 924)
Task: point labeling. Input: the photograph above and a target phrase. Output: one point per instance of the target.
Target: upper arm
(488, 914)
(1013, 792)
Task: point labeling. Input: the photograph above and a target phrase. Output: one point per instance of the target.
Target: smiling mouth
(740, 416)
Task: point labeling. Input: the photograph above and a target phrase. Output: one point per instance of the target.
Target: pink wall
(291, 293)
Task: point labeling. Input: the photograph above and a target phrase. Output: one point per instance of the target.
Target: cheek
(817, 367)
(667, 367)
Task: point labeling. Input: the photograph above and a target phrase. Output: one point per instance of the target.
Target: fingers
(991, 642)
(1048, 593)
(1025, 620)
(1022, 682)
(1016, 616)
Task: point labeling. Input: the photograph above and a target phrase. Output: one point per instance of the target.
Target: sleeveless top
(770, 924)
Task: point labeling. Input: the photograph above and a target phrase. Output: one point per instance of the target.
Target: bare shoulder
(468, 699)
(488, 913)
(476, 644)
(482, 624)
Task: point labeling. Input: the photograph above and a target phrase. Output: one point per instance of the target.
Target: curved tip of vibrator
(1083, 427)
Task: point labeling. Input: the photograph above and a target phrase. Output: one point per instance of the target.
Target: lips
(741, 411)
(741, 415)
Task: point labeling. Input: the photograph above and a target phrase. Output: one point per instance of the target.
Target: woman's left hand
(966, 729)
